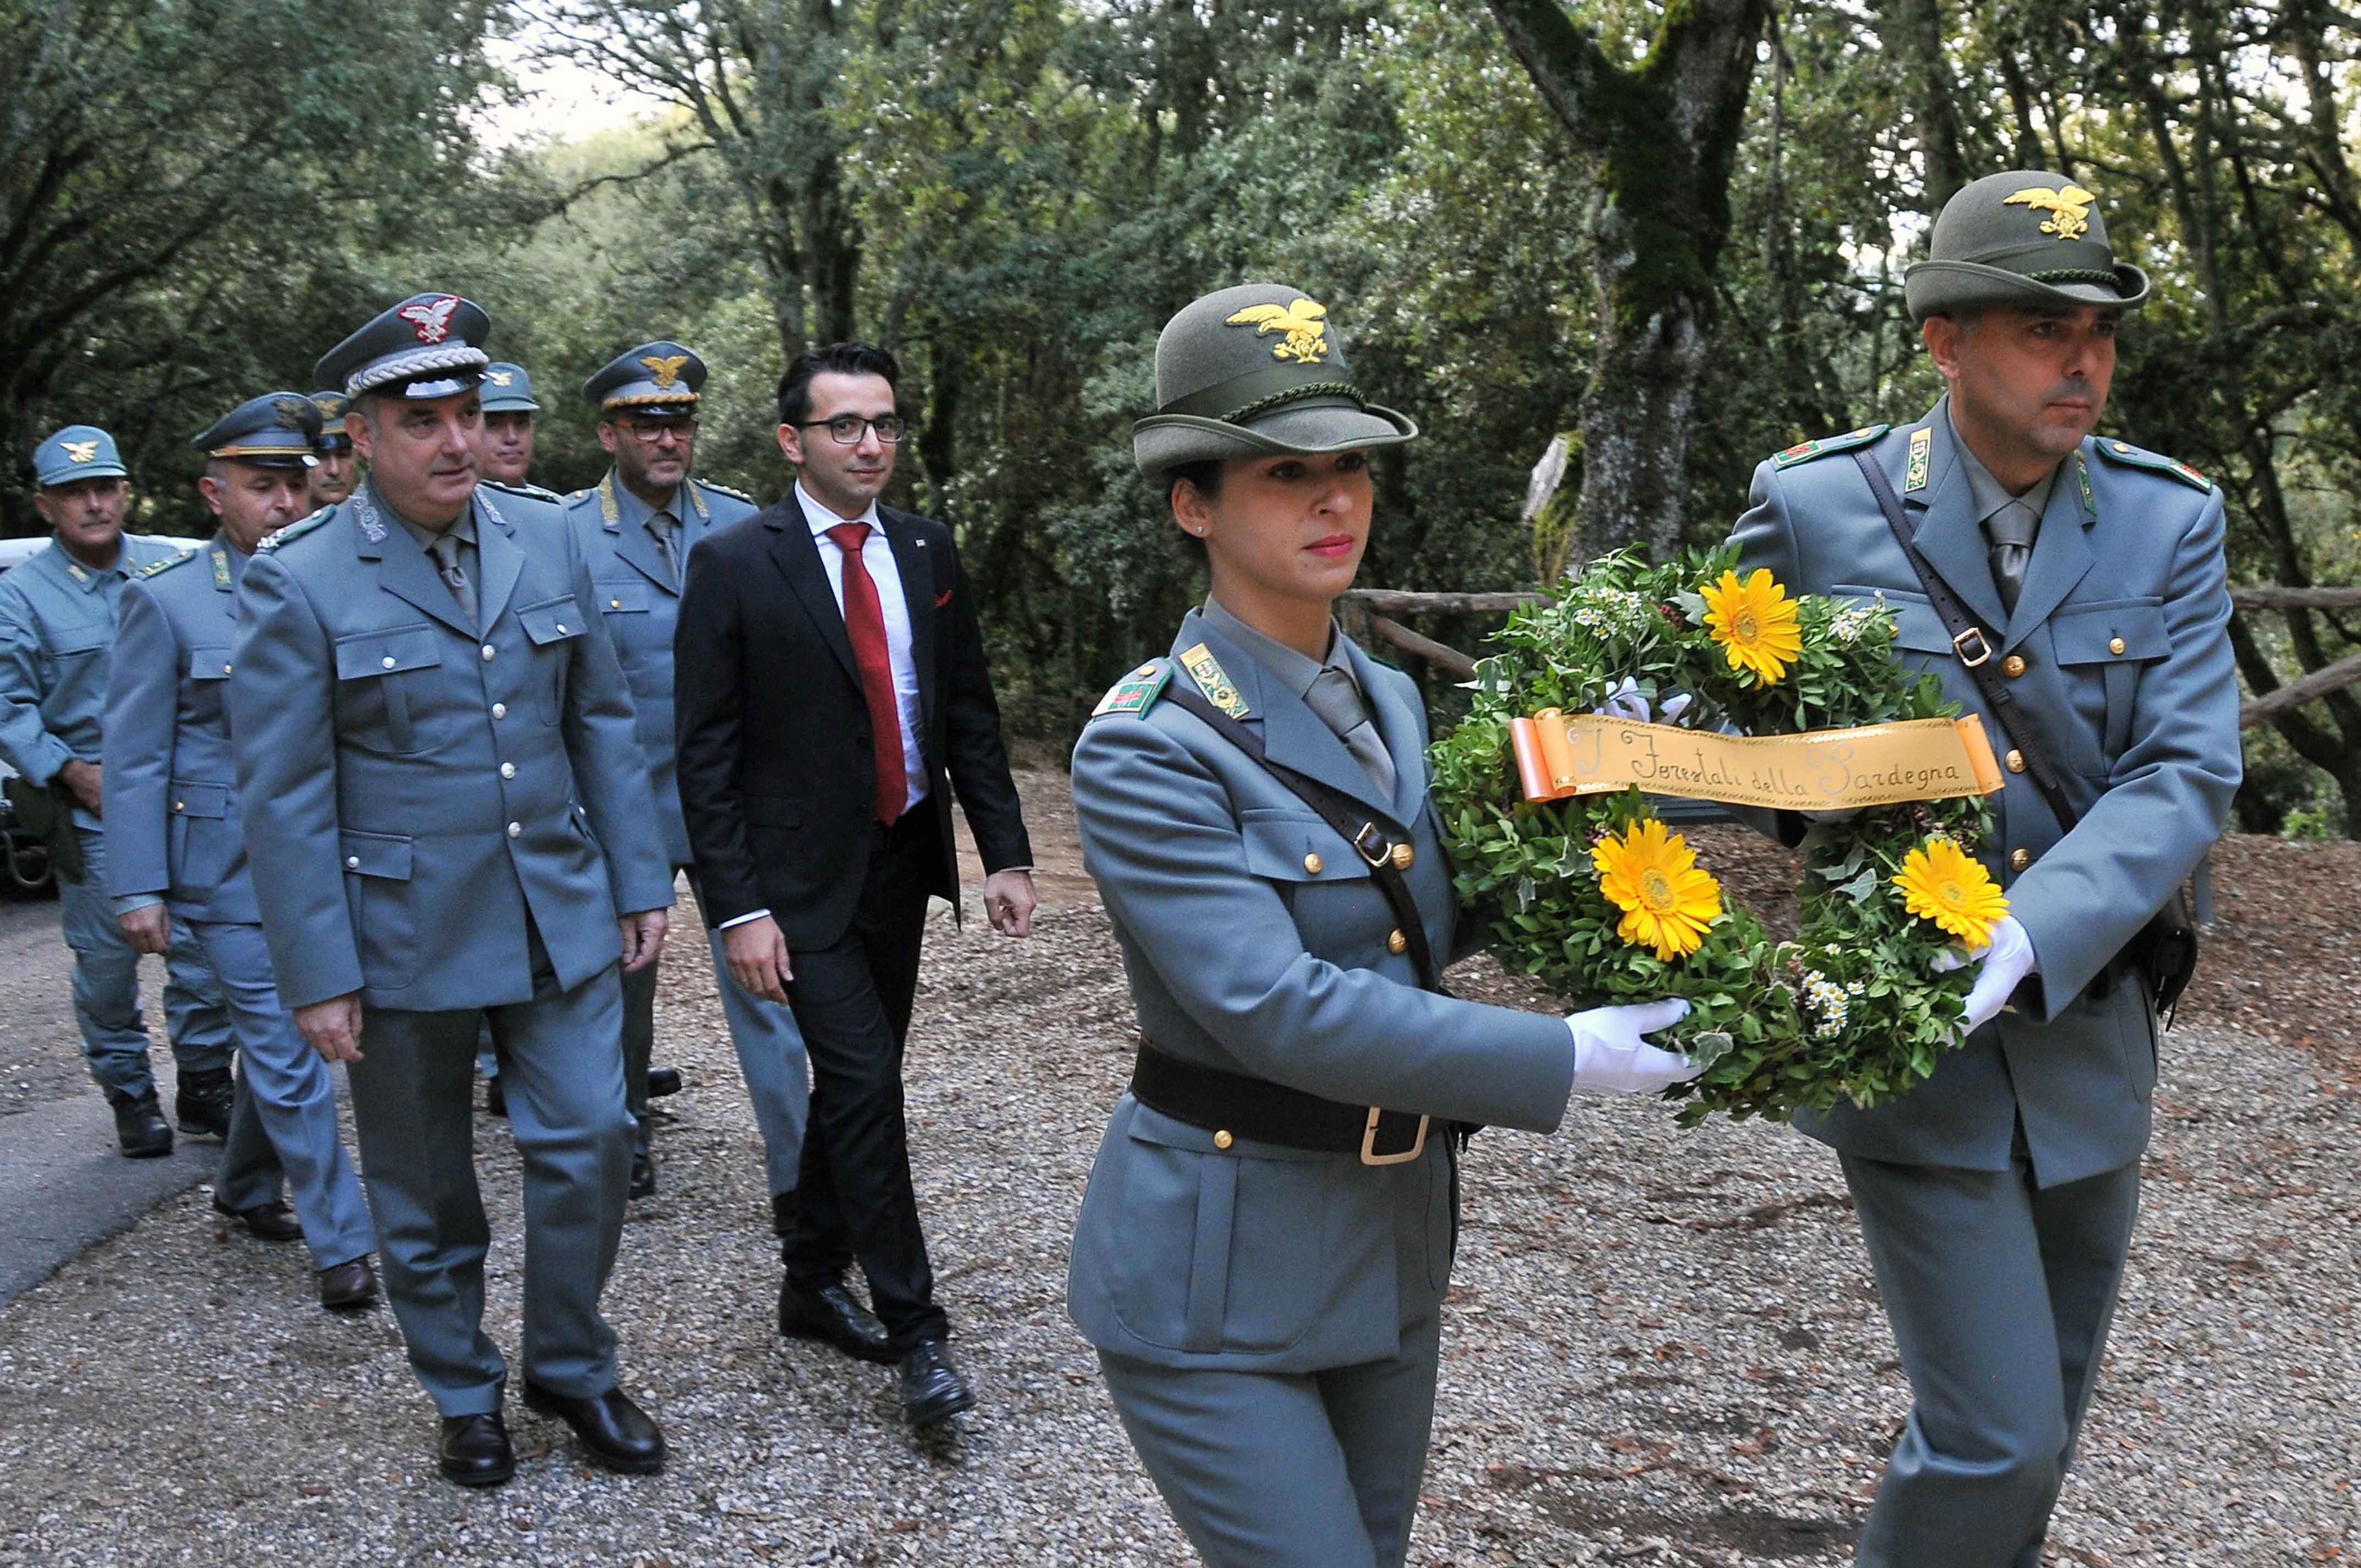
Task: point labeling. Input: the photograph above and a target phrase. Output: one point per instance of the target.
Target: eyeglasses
(649, 432)
(846, 429)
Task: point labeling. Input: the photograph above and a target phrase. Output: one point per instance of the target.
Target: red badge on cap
(431, 320)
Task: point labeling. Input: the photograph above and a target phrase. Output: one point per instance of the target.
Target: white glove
(1609, 1057)
(1623, 701)
(2002, 964)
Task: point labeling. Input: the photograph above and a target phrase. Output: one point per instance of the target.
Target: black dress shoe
(619, 1434)
(833, 1316)
(271, 1222)
(348, 1287)
(662, 1082)
(496, 1099)
(204, 1102)
(932, 1387)
(643, 1174)
(141, 1127)
(475, 1450)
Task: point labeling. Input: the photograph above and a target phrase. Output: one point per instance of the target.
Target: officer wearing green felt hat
(2068, 591)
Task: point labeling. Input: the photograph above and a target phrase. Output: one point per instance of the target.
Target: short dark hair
(1204, 476)
(837, 358)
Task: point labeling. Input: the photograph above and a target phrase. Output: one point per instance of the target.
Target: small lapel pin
(942, 599)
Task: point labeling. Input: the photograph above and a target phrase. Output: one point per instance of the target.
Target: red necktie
(864, 623)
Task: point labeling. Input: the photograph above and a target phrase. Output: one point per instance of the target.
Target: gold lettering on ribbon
(1560, 755)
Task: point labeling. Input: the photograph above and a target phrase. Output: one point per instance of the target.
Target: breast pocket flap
(552, 621)
(1297, 846)
(374, 854)
(623, 599)
(2110, 633)
(1916, 627)
(208, 663)
(362, 654)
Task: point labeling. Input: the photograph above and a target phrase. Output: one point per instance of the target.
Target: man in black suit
(831, 694)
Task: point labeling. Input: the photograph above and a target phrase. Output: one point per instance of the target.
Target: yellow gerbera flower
(1754, 621)
(1940, 881)
(1652, 877)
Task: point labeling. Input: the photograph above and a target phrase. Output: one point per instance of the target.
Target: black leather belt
(1230, 1104)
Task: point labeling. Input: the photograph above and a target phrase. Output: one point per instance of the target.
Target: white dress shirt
(877, 555)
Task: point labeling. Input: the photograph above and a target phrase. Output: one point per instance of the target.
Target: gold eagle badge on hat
(287, 412)
(81, 451)
(664, 368)
(1305, 323)
(2071, 204)
(499, 377)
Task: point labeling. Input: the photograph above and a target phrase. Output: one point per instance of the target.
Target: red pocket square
(942, 599)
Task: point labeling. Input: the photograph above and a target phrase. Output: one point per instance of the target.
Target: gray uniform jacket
(57, 632)
(2127, 670)
(172, 825)
(420, 795)
(1254, 941)
(641, 600)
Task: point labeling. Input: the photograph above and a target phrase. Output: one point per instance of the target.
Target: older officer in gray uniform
(445, 808)
(57, 631)
(636, 527)
(1268, 1235)
(176, 849)
(1997, 1198)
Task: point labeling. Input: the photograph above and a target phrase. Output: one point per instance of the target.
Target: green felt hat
(1256, 368)
(2024, 236)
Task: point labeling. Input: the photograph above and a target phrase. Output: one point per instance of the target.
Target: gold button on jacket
(1397, 943)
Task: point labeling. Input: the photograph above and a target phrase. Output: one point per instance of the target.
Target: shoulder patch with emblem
(1213, 681)
(295, 530)
(726, 490)
(1136, 692)
(1805, 451)
(531, 492)
(2130, 456)
(156, 568)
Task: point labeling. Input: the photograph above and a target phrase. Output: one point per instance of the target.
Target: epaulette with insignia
(295, 530)
(724, 489)
(1137, 691)
(531, 492)
(1805, 451)
(573, 496)
(156, 568)
(1213, 680)
(2131, 457)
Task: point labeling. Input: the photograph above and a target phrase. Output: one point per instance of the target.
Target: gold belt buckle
(1369, 1139)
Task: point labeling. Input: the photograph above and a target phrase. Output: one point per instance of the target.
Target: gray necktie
(2012, 528)
(446, 550)
(1337, 701)
(662, 525)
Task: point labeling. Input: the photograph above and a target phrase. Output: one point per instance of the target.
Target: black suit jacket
(778, 780)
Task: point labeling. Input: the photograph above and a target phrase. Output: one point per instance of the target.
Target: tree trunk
(1660, 137)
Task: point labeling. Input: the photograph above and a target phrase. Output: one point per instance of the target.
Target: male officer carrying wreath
(445, 808)
(1996, 1201)
(176, 842)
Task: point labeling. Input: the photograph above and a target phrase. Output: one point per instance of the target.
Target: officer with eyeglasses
(636, 526)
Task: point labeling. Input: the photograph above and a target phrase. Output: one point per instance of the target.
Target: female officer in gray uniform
(1264, 1248)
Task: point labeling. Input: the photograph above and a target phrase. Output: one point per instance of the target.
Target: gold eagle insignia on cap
(2070, 206)
(289, 412)
(81, 451)
(499, 377)
(1305, 322)
(664, 368)
(432, 321)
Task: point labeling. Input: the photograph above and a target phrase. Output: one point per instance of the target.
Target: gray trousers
(778, 1075)
(2000, 1293)
(1263, 1470)
(106, 988)
(561, 1063)
(285, 1124)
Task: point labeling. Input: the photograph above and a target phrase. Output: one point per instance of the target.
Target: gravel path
(1664, 1348)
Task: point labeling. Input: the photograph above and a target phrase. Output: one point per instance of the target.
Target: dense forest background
(1673, 233)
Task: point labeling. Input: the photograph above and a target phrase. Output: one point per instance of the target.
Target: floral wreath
(1597, 898)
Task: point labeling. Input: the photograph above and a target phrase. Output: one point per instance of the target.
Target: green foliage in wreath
(1852, 1011)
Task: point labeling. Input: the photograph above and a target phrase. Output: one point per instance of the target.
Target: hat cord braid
(1296, 394)
(2075, 275)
